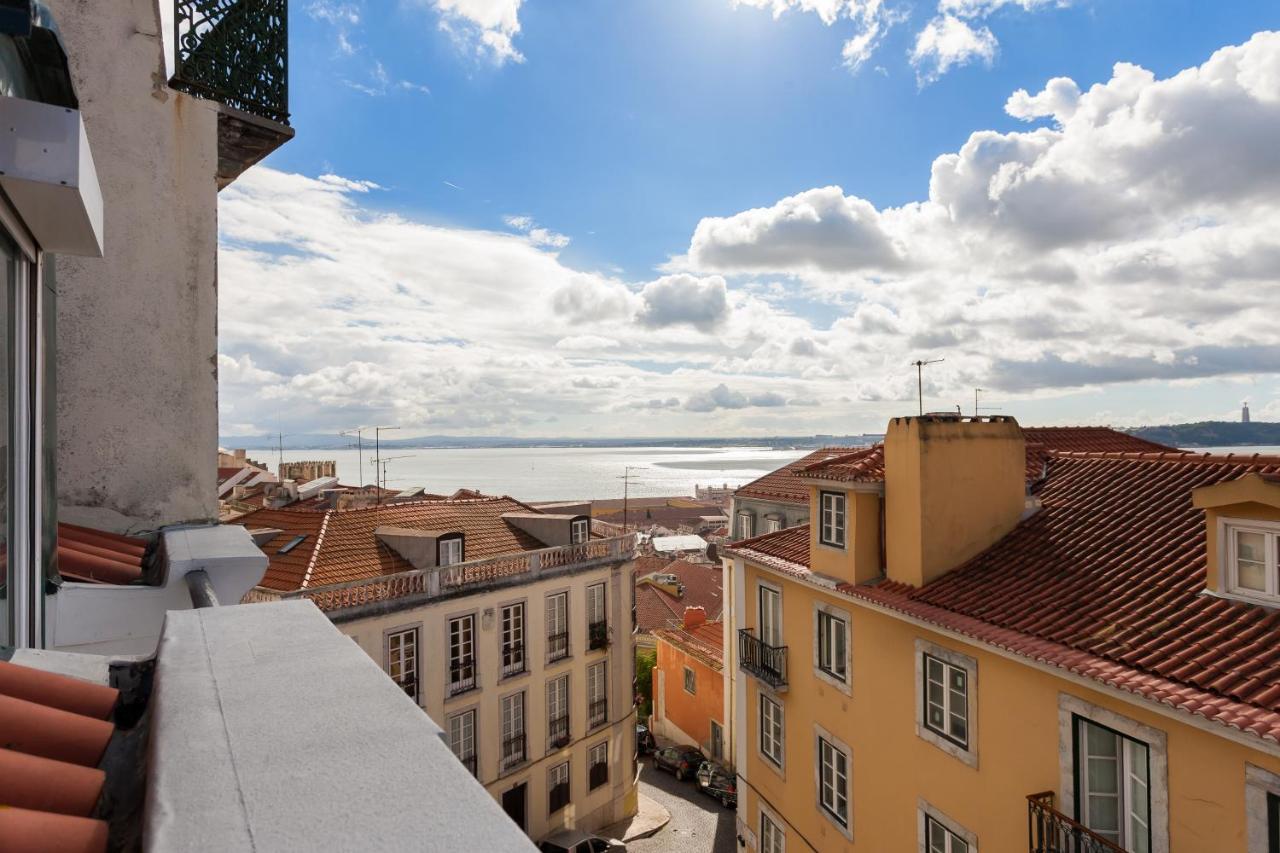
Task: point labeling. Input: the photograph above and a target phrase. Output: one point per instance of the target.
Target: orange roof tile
(705, 642)
(781, 485)
(657, 608)
(340, 544)
(1107, 581)
(95, 556)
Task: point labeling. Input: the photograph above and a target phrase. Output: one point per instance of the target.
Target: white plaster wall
(137, 329)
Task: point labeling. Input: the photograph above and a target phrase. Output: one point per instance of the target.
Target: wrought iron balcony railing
(559, 732)
(1050, 831)
(235, 52)
(512, 659)
(597, 635)
(513, 751)
(598, 713)
(558, 646)
(462, 676)
(767, 663)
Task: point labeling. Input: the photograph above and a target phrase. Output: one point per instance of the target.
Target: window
(833, 781)
(1273, 822)
(598, 774)
(1262, 809)
(833, 517)
(1251, 551)
(558, 787)
(512, 730)
(690, 681)
(558, 711)
(462, 738)
(772, 525)
(402, 660)
(449, 551)
(513, 639)
(597, 621)
(771, 838)
(579, 530)
(462, 654)
(1113, 780)
(946, 699)
(717, 740)
(597, 695)
(291, 544)
(770, 616)
(833, 645)
(558, 626)
(746, 526)
(771, 729)
(939, 839)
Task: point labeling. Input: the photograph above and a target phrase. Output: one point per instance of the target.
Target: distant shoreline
(485, 443)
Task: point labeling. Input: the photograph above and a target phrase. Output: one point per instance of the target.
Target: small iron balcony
(597, 713)
(559, 732)
(513, 751)
(462, 676)
(235, 52)
(558, 646)
(767, 663)
(512, 660)
(597, 635)
(1050, 831)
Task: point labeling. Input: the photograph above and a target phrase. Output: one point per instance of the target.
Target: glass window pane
(8, 265)
(1251, 560)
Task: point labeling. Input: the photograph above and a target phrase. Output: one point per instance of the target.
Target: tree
(646, 660)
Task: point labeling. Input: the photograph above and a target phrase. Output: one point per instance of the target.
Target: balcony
(512, 660)
(513, 751)
(236, 52)
(558, 646)
(597, 635)
(462, 676)
(418, 585)
(559, 732)
(1050, 831)
(767, 663)
(598, 713)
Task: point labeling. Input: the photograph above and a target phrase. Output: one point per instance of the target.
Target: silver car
(575, 841)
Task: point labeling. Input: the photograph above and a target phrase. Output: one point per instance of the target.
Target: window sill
(842, 828)
(561, 659)
(1259, 601)
(451, 693)
(827, 678)
(514, 676)
(968, 755)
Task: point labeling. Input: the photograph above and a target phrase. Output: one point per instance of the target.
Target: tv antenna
(358, 432)
(381, 464)
(626, 492)
(919, 365)
(979, 409)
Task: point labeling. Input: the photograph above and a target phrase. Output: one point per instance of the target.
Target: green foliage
(646, 660)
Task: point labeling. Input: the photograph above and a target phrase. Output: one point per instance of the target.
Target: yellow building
(509, 626)
(968, 652)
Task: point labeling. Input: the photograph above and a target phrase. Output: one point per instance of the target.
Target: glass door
(1114, 782)
(770, 616)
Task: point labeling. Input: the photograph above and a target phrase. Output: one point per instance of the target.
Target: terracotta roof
(1107, 581)
(94, 556)
(781, 485)
(340, 544)
(55, 734)
(865, 465)
(656, 608)
(705, 641)
(1090, 439)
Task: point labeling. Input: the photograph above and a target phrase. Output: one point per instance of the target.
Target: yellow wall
(590, 811)
(859, 560)
(952, 488)
(1017, 720)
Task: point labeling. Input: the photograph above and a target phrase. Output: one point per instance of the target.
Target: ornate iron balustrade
(598, 713)
(558, 645)
(559, 731)
(598, 635)
(235, 52)
(517, 567)
(1050, 831)
(767, 663)
(513, 751)
(462, 676)
(512, 659)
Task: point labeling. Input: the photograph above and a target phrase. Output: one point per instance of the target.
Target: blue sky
(598, 135)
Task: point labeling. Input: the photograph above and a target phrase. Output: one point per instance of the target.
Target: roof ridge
(315, 548)
(1184, 456)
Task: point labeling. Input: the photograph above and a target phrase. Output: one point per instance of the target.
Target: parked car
(716, 781)
(683, 761)
(644, 740)
(573, 841)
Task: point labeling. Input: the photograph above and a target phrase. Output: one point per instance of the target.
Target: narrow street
(698, 824)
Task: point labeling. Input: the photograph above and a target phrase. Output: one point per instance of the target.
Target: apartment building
(966, 651)
(511, 627)
(688, 686)
(779, 499)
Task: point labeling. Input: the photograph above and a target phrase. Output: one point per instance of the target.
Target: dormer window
(1251, 552)
(449, 551)
(833, 519)
(579, 530)
(746, 525)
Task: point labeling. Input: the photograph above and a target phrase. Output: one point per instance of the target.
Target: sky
(748, 217)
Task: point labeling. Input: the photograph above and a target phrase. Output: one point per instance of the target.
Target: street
(698, 824)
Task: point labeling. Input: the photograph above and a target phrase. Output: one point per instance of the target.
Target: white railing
(436, 581)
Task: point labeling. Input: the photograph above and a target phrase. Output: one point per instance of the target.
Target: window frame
(603, 749)
(513, 638)
(715, 739)
(947, 670)
(400, 631)
(558, 775)
(779, 833)
(474, 756)
(747, 520)
(516, 700)
(1229, 570)
(843, 512)
(1262, 809)
(579, 531)
(776, 634)
(779, 761)
(772, 525)
(458, 687)
(690, 681)
(928, 815)
(821, 611)
(838, 749)
(968, 750)
(558, 698)
(446, 545)
(552, 655)
(597, 680)
(1124, 810)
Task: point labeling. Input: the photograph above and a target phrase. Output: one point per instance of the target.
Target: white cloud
(871, 20)
(720, 397)
(947, 42)
(685, 299)
(1058, 100)
(485, 28)
(982, 8)
(537, 235)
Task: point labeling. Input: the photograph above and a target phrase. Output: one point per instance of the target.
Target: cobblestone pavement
(698, 824)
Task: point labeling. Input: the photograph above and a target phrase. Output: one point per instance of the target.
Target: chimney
(953, 487)
(694, 616)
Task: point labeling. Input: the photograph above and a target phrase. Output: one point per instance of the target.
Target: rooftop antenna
(381, 461)
(358, 432)
(626, 489)
(919, 366)
(377, 449)
(979, 409)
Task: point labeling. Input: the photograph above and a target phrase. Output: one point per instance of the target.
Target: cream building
(509, 626)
